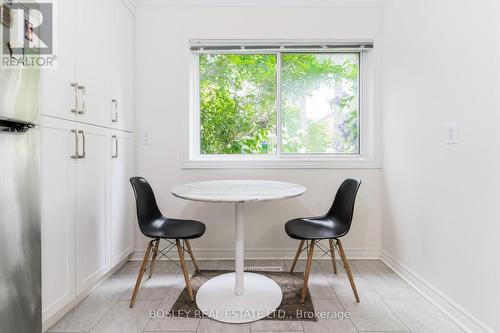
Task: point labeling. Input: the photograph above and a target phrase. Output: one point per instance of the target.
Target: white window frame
(367, 158)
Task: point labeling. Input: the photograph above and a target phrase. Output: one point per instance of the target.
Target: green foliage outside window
(319, 103)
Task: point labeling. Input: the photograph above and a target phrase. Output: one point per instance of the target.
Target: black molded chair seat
(332, 226)
(164, 227)
(156, 226)
(324, 227)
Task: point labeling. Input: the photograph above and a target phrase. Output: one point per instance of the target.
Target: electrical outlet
(451, 133)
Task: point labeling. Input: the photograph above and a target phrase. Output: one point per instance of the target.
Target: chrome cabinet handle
(114, 117)
(75, 156)
(84, 106)
(75, 87)
(115, 155)
(84, 152)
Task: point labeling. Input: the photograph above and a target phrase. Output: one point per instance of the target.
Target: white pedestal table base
(217, 299)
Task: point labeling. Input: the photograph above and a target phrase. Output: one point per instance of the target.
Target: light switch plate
(451, 133)
(146, 138)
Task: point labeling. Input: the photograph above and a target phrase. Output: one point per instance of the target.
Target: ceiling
(293, 3)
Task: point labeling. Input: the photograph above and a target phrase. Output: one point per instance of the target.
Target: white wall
(440, 201)
(163, 97)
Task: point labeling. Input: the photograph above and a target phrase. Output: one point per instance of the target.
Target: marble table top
(237, 190)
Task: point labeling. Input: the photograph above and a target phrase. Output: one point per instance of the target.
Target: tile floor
(387, 304)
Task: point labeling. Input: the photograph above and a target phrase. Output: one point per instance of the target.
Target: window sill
(347, 163)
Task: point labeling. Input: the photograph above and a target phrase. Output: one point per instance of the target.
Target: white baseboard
(458, 314)
(262, 253)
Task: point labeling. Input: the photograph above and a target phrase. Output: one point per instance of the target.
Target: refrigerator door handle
(84, 151)
(75, 156)
(75, 87)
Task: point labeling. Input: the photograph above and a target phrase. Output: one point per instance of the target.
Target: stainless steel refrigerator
(20, 257)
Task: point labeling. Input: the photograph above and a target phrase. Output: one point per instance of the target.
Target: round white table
(238, 297)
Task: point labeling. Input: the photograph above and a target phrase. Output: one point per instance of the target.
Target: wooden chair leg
(184, 269)
(307, 271)
(297, 256)
(332, 253)
(141, 273)
(347, 269)
(192, 256)
(153, 259)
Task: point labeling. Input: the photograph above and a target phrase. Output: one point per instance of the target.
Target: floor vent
(265, 269)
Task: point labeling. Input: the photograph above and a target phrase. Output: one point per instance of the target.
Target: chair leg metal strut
(309, 248)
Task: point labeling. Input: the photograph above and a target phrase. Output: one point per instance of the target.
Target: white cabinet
(121, 67)
(92, 82)
(93, 59)
(91, 176)
(120, 196)
(86, 206)
(85, 192)
(57, 96)
(58, 171)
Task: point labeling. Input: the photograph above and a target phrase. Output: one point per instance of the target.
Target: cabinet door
(120, 196)
(91, 171)
(57, 96)
(121, 66)
(58, 215)
(93, 57)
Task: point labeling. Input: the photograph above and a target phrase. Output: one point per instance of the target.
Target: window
(320, 103)
(237, 103)
(266, 102)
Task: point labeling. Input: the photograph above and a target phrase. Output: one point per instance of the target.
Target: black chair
(156, 226)
(332, 226)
